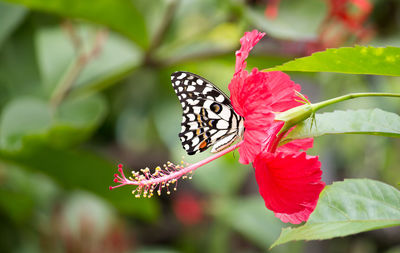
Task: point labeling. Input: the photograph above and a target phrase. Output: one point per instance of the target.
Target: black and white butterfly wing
(208, 117)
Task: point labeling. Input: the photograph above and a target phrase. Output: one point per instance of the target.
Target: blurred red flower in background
(344, 19)
(188, 209)
(271, 11)
(341, 10)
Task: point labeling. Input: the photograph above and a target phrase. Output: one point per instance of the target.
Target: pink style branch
(262, 109)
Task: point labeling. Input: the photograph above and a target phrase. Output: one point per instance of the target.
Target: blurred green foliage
(86, 85)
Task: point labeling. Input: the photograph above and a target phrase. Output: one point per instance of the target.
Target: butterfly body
(208, 116)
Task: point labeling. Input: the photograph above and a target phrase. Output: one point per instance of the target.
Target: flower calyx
(296, 114)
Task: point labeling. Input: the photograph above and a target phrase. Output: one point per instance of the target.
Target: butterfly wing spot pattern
(208, 117)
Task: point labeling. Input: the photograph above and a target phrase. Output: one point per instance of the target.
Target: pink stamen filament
(162, 179)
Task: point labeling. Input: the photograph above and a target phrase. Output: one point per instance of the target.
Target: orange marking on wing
(215, 108)
(203, 144)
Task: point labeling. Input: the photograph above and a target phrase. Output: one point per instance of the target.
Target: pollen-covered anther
(149, 180)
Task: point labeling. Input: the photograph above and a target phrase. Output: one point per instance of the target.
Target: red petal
(297, 145)
(282, 90)
(250, 93)
(236, 86)
(261, 91)
(256, 96)
(261, 132)
(290, 184)
(248, 41)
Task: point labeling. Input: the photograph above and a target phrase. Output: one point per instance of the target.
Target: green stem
(298, 114)
(315, 107)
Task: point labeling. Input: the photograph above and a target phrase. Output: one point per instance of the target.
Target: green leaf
(16, 199)
(76, 119)
(22, 117)
(208, 178)
(118, 58)
(81, 111)
(80, 169)
(348, 207)
(18, 56)
(193, 43)
(249, 217)
(31, 135)
(29, 117)
(56, 53)
(10, 17)
(365, 121)
(350, 60)
(22, 192)
(120, 15)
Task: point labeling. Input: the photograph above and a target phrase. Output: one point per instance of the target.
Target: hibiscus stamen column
(147, 182)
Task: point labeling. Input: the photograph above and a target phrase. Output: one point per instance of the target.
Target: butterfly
(208, 117)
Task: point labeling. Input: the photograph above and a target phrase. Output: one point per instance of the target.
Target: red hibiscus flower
(289, 180)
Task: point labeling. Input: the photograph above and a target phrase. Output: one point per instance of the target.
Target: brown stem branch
(162, 30)
(76, 41)
(67, 81)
